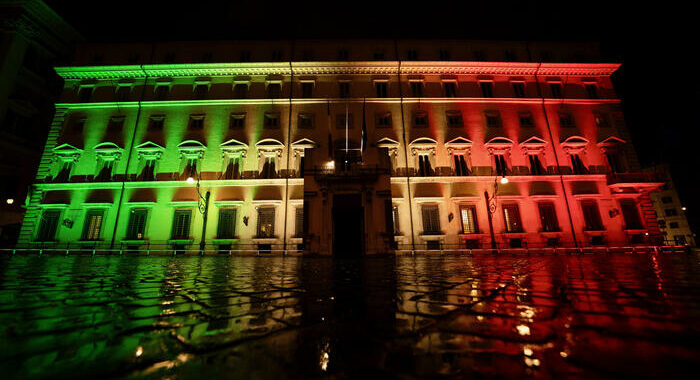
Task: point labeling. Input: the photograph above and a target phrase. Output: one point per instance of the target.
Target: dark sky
(658, 89)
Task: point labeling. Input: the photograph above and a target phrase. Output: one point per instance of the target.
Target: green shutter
(227, 224)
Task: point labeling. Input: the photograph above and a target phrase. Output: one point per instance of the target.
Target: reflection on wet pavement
(604, 316)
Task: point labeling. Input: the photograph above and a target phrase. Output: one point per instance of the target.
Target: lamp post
(491, 207)
(203, 207)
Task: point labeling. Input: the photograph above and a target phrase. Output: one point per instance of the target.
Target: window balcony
(637, 180)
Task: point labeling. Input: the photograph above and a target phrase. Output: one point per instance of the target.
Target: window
(105, 173)
(381, 87)
(274, 90)
(431, 220)
(237, 121)
(673, 225)
(156, 123)
(266, 222)
(679, 239)
(486, 89)
(48, 225)
(379, 55)
(307, 89)
(469, 223)
(272, 120)
(555, 88)
(227, 223)
(591, 216)
(411, 55)
(344, 89)
(666, 200)
(548, 217)
(276, 55)
(343, 55)
(417, 89)
(662, 223)
(268, 169)
(341, 122)
(299, 222)
(395, 219)
(511, 216)
(614, 162)
(444, 55)
(420, 119)
(245, 56)
(566, 120)
(493, 119)
(305, 121)
(85, 94)
(136, 229)
(77, 124)
(233, 166)
(190, 168)
(93, 224)
(631, 215)
(201, 90)
(536, 167)
(501, 165)
(123, 93)
(196, 123)
(424, 168)
(519, 89)
(577, 164)
(384, 120)
(181, 224)
(601, 120)
(450, 88)
(63, 174)
(670, 212)
(526, 120)
(460, 165)
(454, 119)
(591, 90)
(240, 90)
(162, 91)
(510, 56)
(116, 124)
(149, 170)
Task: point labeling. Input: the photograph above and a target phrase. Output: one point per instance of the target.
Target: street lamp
(202, 206)
(11, 201)
(491, 206)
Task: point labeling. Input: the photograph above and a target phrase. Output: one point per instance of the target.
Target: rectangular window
(673, 225)
(493, 119)
(555, 88)
(156, 123)
(591, 90)
(420, 119)
(566, 120)
(536, 167)
(450, 88)
(431, 220)
(149, 170)
(454, 119)
(666, 200)
(240, 90)
(444, 55)
(591, 216)
(344, 89)
(266, 222)
(201, 90)
(384, 120)
(299, 222)
(307, 89)
(93, 224)
(679, 239)
(237, 121)
(115, 125)
(341, 122)
(424, 167)
(64, 172)
(460, 165)
(601, 120)
(77, 124)
(85, 94)
(469, 223)
(233, 167)
(272, 120)
(577, 165)
(501, 165)
(526, 120)
(670, 212)
(181, 224)
(411, 55)
(269, 168)
(631, 215)
(105, 173)
(227, 223)
(548, 217)
(123, 93)
(48, 225)
(196, 123)
(519, 89)
(395, 219)
(274, 90)
(614, 162)
(486, 89)
(381, 88)
(136, 229)
(305, 121)
(511, 216)
(417, 89)
(162, 91)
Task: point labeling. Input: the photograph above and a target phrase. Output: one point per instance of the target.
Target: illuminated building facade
(671, 213)
(339, 147)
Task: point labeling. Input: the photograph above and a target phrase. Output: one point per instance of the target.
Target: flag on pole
(363, 141)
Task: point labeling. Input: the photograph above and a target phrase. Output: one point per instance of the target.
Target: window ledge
(224, 240)
(433, 236)
(180, 241)
(134, 241)
(87, 242)
(265, 240)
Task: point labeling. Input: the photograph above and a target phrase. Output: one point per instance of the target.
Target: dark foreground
(604, 316)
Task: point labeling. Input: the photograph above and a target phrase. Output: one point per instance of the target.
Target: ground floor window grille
(511, 215)
(266, 222)
(469, 223)
(431, 220)
(48, 225)
(181, 224)
(227, 223)
(136, 228)
(93, 224)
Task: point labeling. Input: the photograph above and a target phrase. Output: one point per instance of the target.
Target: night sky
(659, 91)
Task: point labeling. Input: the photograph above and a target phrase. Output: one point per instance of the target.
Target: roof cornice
(336, 68)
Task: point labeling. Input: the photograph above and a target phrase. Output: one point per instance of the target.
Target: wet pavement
(603, 316)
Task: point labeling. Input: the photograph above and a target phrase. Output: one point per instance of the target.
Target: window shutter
(181, 224)
(266, 222)
(227, 224)
(137, 224)
(512, 218)
(299, 222)
(431, 219)
(93, 224)
(49, 223)
(469, 225)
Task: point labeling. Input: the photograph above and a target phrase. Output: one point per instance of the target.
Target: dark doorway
(348, 225)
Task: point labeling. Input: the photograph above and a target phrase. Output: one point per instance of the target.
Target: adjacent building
(339, 147)
(673, 222)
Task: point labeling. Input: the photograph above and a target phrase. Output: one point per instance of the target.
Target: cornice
(336, 68)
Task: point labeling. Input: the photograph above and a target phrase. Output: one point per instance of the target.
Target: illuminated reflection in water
(274, 317)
